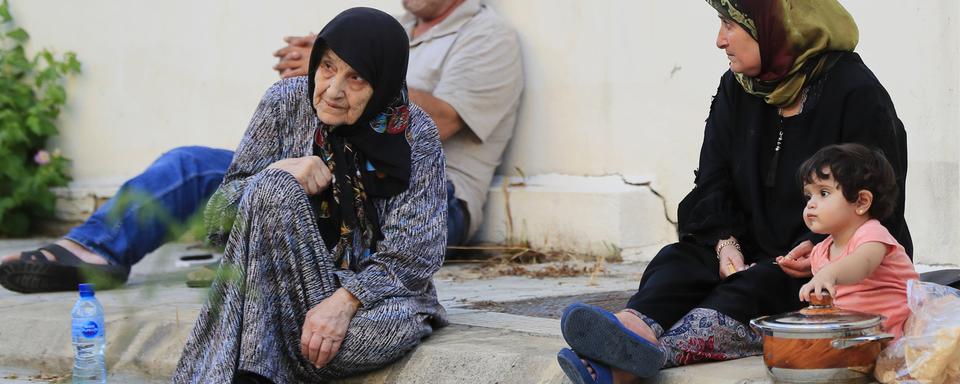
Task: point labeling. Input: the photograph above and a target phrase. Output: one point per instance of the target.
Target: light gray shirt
(471, 60)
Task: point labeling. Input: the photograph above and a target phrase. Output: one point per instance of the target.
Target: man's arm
(482, 77)
(447, 120)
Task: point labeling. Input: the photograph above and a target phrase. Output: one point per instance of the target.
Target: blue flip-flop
(577, 372)
(597, 334)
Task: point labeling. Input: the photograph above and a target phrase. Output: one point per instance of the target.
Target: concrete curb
(149, 320)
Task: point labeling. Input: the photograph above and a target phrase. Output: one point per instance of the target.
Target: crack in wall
(663, 200)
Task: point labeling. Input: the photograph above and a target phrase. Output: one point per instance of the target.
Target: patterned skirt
(698, 316)
(275, 268)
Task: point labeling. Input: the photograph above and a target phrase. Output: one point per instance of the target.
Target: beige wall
(617, 86)
(641, 73)
(160, 74)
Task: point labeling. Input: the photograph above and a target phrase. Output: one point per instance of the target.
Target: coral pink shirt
(884, 292)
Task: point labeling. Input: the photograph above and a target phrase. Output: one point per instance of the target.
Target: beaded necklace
(772, 171)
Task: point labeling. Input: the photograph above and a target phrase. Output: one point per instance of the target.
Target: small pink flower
(42, 157)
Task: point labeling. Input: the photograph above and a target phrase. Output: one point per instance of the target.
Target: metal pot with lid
(821, 344)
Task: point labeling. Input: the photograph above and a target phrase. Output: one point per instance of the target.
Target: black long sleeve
(731, 196)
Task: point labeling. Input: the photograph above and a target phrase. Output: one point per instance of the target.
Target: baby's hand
(819, 283)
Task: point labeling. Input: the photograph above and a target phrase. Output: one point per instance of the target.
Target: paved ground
(504, 328)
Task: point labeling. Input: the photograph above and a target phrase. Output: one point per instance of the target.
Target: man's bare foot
(77, 249)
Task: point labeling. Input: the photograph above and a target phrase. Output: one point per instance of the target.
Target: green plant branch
(32, 94)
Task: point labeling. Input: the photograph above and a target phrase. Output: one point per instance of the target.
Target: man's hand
(325, 327)
(796, 263)
(295, 57)
(311, 172)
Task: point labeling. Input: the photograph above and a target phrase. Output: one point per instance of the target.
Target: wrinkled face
(827, 210)
(426, 9)
(341, 93)
(742, 50)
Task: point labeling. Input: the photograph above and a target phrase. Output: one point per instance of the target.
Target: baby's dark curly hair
(855, 167)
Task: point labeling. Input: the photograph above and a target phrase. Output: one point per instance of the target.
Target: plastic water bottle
(88, 338)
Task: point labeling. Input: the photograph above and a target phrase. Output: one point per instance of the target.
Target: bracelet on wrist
(727, 242)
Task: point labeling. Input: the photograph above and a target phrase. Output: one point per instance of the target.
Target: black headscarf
(371, 157)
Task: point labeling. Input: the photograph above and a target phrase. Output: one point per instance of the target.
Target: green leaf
(56, 94)
(47, 128)
(16, 135)
(73, 65)
(33, 122)
(46, 55)
(19, 34)
(5, 12)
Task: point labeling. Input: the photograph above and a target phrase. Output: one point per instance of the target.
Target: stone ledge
(588, 216)
(145, 342)
(149, 319)
(608, 216)
(80, 199)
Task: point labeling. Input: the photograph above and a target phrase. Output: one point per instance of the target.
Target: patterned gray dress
(254, 317)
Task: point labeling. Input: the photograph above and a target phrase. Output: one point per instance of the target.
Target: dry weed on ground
(40, 377)
(486, 262)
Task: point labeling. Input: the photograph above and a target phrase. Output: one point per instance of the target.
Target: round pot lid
(818, 319)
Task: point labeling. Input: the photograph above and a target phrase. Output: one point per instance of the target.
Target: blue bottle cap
(86, 290)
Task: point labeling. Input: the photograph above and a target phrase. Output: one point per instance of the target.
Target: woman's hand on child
(823, 281)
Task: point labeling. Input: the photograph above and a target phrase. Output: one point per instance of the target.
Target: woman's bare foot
(593, 373)
(619, 376)
(77, 249)
(623, 377)
(636, 325)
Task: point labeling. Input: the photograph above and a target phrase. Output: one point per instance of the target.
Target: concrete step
(149, 319)
(602, 216)
(144, 345)
(589, 216)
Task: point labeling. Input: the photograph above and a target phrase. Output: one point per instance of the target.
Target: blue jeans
(169, 192)
(458, 218)
(149, 205)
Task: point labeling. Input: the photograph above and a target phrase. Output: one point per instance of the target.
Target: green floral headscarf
(799, 41)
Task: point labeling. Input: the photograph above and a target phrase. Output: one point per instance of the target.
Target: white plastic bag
(929, 351)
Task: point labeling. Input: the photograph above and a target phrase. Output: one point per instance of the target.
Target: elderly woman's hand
(325, 327)
(311, 172)
(796, 263)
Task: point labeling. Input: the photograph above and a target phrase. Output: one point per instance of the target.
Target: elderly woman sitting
(333, 214)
